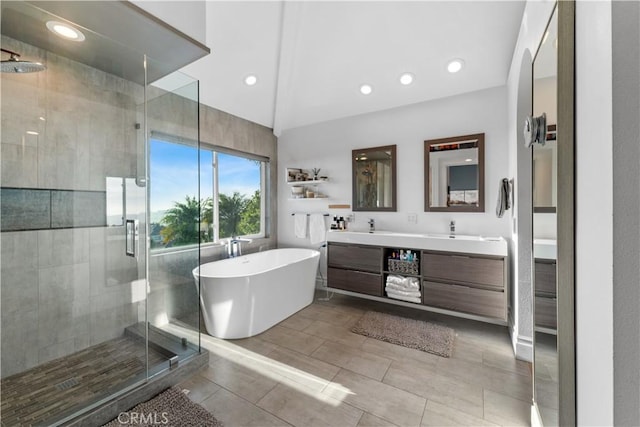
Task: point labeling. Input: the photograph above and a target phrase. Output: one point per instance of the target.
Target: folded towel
(504, 197)
(405, 283)
(317, 229)
(395, 279)
(415, 292)
(403, 298)
(391, 289)
(300, 225)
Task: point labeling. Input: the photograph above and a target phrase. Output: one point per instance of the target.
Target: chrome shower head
(14, 65)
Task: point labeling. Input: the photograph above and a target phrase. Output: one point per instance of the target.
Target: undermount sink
(437, 242)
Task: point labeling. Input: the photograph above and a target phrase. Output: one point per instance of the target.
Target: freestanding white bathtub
(247, 295)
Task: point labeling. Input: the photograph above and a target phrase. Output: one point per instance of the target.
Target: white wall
(328, 146)
(186, 16)
(594, 214)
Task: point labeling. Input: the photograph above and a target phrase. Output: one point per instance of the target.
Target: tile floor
(310, 370)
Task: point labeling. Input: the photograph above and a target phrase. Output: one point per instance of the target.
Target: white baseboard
(522, 346)
(524, 349)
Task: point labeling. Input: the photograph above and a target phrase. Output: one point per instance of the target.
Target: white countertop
(545, 249)
(480, 245)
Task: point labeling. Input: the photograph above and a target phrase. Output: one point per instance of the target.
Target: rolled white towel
(403, 293)
(403, 298)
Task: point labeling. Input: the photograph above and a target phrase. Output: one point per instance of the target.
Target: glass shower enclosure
(83, 298)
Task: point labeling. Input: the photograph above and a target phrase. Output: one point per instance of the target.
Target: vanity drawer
(355, 281)
(545, 277)
(362, 258)
(464, 269)
(482, 302)
(546, 313)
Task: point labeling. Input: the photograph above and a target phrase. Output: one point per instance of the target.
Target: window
(232, 188)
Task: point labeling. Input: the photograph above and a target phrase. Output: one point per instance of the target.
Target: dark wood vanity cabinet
(474, 284)
(465, 283)
(545, 293)
(355, 268)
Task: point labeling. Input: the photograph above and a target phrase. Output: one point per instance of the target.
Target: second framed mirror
(454, 174)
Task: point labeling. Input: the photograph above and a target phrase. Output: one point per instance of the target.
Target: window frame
(265, 188)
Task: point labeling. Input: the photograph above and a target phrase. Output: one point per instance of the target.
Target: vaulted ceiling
(311, 57)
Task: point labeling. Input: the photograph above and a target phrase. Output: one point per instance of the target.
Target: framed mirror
(454, 174)
(374, 179)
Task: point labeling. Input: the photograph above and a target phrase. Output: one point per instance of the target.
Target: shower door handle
(131, 234)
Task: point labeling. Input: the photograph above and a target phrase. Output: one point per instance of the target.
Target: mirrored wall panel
(545, 100)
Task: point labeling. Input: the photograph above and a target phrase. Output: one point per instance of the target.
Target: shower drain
(67, 384)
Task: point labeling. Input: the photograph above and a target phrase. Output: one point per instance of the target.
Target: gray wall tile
(19, 291)
(19, 165)
(19, 341)
(78, 209)
(63, 247)
(19, 249)
(25, 209)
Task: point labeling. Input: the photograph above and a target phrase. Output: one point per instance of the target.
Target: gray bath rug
(171, 408)
(410, 333)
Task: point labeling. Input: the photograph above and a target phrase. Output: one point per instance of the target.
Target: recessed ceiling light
(366, 89)
(455, 65)
(406, 79)
(32, 132)
(468, 160)
(65, 31)
(250, 80)
(42, 118)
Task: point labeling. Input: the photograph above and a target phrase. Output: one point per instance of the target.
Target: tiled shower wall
(64, 289)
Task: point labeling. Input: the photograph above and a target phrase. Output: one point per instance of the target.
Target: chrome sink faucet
(452, 228)
(234, 246)
(372, 225)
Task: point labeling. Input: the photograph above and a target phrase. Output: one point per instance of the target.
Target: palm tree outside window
(232, 190)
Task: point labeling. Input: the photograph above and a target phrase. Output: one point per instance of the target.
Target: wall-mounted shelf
(311, 182)
(306, 187)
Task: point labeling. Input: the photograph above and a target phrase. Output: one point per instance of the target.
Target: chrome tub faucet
(234, 246)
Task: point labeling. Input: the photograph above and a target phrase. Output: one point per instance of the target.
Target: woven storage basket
(400, 266)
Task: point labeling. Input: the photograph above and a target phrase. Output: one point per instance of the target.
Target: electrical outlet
(413, 218)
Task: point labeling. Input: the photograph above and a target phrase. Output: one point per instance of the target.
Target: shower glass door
(176, 225)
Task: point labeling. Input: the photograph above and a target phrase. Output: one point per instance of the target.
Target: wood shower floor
(61, 387)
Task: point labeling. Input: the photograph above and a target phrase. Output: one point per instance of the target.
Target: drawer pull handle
(460, 256)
